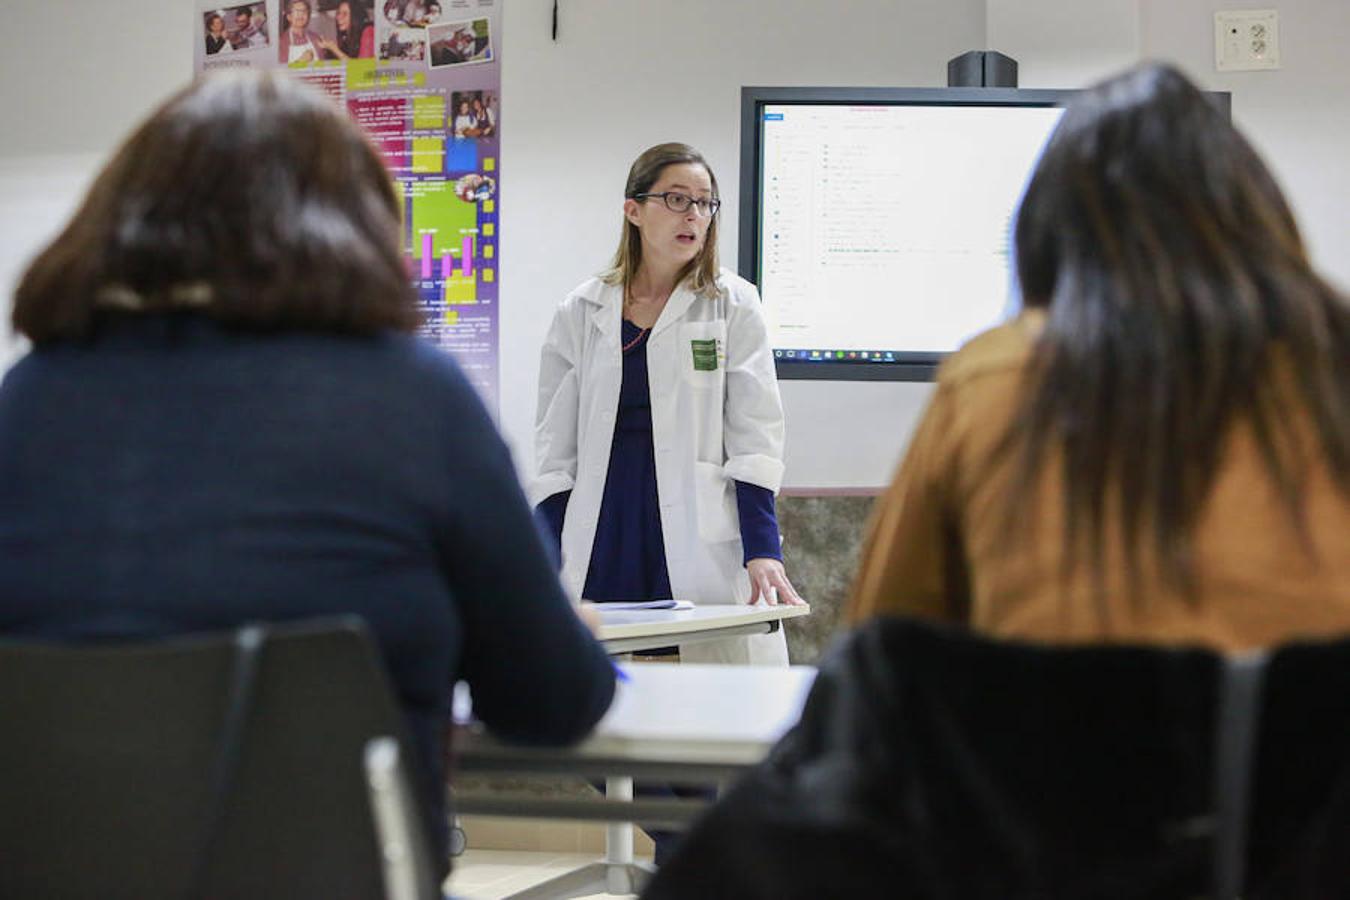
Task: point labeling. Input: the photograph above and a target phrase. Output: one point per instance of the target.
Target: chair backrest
(1299, 836)
(931, 763)
(204, 766)
(403, 851)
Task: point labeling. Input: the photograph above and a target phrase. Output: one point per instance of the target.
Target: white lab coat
(711, 425)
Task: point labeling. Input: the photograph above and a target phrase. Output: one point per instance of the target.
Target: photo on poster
(302, 33)
(404, 44)
(473, 187)
(474, 114)
(459, 43)
(411, 13)
(346, 28)
(231, 28)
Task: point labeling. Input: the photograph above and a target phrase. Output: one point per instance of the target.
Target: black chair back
(931, 763)
(1299, 834)
(204, 766)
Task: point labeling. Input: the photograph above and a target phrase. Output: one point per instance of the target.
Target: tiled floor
(492, 874)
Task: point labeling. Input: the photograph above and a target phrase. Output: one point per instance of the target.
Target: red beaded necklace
(642, 332)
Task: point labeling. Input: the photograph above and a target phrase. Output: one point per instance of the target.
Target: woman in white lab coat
(659, 431)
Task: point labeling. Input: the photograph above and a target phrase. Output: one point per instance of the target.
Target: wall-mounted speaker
(982, 68)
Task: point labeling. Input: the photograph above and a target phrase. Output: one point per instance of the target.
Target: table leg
(619, 839)
(618, 873)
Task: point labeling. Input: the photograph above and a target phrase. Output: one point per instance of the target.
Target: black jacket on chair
(930, 763)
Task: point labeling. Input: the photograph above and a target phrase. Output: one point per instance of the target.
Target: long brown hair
(1179, 302)
(248, 197)
(646, 170)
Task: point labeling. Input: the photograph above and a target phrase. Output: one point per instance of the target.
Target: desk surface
(690, 714)
(644, 623)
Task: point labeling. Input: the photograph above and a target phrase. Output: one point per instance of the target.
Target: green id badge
(705, 355)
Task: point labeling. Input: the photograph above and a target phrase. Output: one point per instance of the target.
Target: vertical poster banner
(423, 78)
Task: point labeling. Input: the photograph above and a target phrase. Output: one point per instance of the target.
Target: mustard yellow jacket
(938, 548)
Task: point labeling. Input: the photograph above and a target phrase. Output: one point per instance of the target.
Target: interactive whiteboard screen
(879, 230)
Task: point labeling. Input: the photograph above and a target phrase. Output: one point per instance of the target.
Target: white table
(630, 631)
(686, 722)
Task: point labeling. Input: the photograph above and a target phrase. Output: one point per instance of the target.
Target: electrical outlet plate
(1246, 40)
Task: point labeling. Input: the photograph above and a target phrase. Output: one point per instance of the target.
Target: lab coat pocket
(715, 496)
(703, 353)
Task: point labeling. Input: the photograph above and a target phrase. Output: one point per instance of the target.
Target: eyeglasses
(677, 202)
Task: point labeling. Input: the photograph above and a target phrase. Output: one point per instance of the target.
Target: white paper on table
(642, 604)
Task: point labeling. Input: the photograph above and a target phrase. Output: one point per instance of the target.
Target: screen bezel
(919, 366)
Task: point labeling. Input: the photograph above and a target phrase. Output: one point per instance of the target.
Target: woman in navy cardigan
(225, 418)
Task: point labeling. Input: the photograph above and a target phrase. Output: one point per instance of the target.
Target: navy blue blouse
(628, 557)
(171, 475)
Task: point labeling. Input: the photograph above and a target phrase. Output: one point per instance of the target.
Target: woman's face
(667, 235)
(344, 16)
(217, 26)
(299, 16)
(464, 107)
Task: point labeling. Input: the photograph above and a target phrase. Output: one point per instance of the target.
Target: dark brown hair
(1179, 302)
(645, 172)
(350, 40)
(247, 196)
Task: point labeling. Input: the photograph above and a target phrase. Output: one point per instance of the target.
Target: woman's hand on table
(769, 583)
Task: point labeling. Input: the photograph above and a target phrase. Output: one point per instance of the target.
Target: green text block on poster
(428, 112)
(459, 289)
(428, 155)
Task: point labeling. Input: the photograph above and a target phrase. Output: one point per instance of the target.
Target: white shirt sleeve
(558, 409)
(754, 429)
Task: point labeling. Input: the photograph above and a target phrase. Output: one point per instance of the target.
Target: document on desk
(611, 606)
(724, 711)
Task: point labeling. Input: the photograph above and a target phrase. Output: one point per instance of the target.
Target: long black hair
(350, 40)
(1179, 302)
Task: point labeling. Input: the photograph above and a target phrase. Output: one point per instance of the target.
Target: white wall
(1298, 116)
(65, 109)
(577, 111)
(77, 74)
(36, 197)
(1059, 44)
